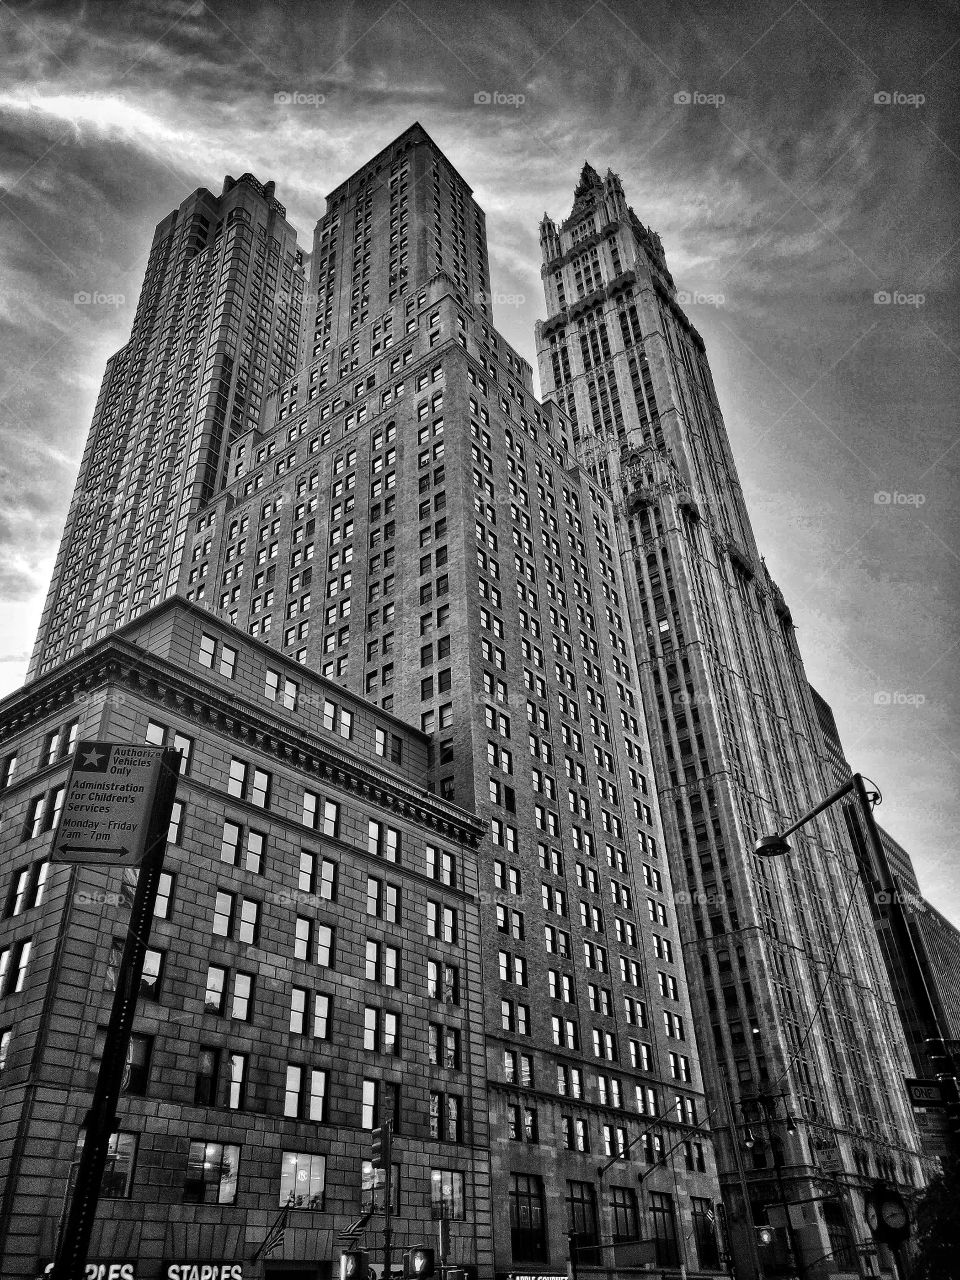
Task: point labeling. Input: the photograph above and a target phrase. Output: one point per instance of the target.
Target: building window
(446, 1194)
(382, 963)
(207, 1076)
(370, 1104)
(381, 1031)
(625, 1220)
(317, 1102)
(383, 899)
(236, 1081)
(152, 979)
(213, 1000)
(582, 1220)
(60, 742)
(302, 1180)
(207, 656)
(5, 1037)
(212, 1169)
(441, 922)
(441, 865)
(137, 1070)
(705, 1237)
(528, 1229)
(327, 884)
(664, 1229)
(8, 770)
(281, 689)
(43, 813)
(321, 1016)
(446, 1117)
(383, 841)
(118, 1170)
(26, 888)
(241, 1007)
(321, 815)
(242, 847)
(164, 903)
(326, 945)
(443, 982)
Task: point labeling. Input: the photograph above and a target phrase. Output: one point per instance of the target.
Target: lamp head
(749, 1141)
(771, 846)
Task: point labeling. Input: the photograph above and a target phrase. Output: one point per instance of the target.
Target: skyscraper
(800, 1034)
(398, 517)
(217, 327)
(444, 556)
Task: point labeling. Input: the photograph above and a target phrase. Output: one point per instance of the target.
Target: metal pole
(572, 1253)
(388, 1202)
(741, 1174)
(724, 1234)
(824, 804)
(778, 1169)
(70, 1262)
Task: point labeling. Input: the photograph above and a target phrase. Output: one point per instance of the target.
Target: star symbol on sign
(92, 758)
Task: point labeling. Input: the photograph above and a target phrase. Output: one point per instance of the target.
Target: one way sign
(925, 1093)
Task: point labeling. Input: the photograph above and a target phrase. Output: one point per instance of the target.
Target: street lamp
(776, 845)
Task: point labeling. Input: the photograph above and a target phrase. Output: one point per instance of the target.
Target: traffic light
(418, 1261)
(380, 1147)
(766, 1237)
(354, 1265)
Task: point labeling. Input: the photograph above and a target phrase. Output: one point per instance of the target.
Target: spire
(588, 178)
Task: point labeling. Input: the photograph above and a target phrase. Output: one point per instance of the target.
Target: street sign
(106, 811)
(925, 1093)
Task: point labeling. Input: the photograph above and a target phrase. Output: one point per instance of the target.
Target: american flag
(274, 1237)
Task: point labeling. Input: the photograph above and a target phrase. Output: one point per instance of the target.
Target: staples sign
(204, 1271)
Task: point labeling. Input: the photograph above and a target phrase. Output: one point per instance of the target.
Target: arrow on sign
(75, 849)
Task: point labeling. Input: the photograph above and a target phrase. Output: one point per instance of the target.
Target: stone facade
(787, 980)
(402, 529)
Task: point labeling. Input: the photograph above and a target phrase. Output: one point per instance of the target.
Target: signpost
(116, 812)
(108, 805)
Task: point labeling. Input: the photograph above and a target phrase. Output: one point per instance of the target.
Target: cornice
(159, 681)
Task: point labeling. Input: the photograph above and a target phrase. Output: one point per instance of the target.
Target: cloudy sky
(797, 158)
